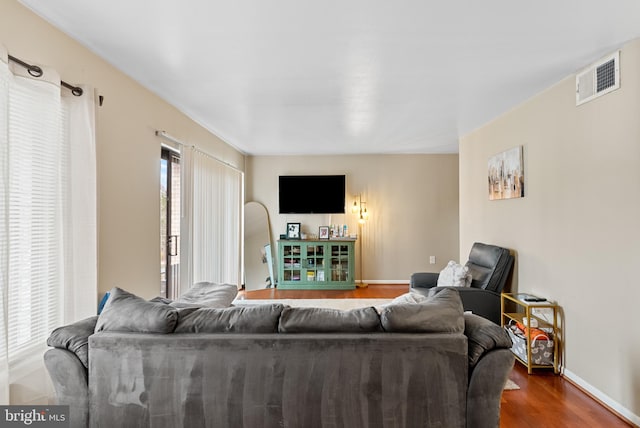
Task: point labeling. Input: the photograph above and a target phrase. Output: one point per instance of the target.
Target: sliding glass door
(169, 223)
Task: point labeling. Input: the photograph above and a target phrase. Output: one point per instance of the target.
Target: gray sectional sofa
(418, 362)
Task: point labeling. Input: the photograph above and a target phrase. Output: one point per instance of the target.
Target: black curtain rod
(36, 71)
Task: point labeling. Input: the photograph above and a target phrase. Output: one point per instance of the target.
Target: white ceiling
(350, 76)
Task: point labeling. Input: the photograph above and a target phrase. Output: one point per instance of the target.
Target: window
(34, 208)
(48, 251)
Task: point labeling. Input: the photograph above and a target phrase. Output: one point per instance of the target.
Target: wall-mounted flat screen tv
(312, 194)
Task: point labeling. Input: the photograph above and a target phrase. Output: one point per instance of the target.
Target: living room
(573, 234)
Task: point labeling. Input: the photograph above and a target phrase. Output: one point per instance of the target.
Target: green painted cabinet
(316, 265)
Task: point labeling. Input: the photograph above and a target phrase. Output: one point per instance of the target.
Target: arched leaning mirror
(258, 260)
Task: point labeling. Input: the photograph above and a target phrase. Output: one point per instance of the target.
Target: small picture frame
(323, 232)
(293, 230)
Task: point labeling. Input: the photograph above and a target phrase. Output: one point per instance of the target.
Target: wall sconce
(359, 207)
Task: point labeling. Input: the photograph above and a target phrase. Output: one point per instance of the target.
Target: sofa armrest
(69, 378)
(483, 336)
(486, 384)
(424, 280)
(67, 364)
(74, 338)
(490, 362)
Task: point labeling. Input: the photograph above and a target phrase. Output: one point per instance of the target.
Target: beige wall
(127, 149)
(413, 201)
(576, 232)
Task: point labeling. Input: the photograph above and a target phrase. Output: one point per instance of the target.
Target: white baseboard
(602, 397)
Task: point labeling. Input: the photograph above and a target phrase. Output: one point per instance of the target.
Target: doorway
(169, 223)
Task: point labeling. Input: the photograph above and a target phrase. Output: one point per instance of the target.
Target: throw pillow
(409, 297)
(327, 320)
(127, 312)
(236, 319)
(207, 295)
(454, 275)
(440, 313)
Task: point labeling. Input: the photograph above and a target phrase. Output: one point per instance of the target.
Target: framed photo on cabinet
(293, 230)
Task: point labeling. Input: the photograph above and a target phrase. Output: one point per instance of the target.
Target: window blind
(216, 226)
(35, 215)
(211, 233)
(4, 223)
(48, 244)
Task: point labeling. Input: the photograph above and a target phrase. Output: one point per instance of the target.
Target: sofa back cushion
(236, 319)
(326, 320)
(127, 312)
(439, 313)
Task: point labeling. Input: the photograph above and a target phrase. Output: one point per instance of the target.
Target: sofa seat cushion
(207, 295)
(125, 311)
(439, 313)
(74, 338)
(326, 320)
(237, 319)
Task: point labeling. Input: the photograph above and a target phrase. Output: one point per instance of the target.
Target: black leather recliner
(490, 267)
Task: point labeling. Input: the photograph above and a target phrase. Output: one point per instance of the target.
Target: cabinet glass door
(339, 262)
(292, 265)
(315, 263)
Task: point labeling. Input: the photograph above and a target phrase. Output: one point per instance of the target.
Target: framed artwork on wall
(293, 230)
(506, 175)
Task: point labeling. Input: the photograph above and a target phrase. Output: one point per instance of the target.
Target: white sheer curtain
(212, 197)
(48, 274)
(80, 206)
(4, 184)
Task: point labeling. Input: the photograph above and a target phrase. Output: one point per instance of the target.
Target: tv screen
(312, 194)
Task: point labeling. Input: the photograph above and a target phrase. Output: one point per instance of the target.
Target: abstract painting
(506, 175)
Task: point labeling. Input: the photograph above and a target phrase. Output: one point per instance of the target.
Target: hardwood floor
(377, 291)
(543, 400)
(546, 400)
